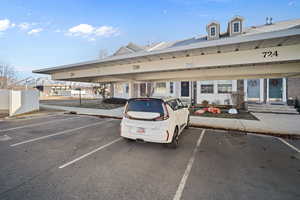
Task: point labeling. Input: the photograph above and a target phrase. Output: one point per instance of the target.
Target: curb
(286, 136)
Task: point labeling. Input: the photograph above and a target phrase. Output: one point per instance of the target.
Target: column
(131, 89)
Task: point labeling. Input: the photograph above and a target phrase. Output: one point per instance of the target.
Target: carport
(264, 55)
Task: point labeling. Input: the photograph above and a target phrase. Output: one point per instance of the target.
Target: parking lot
(63, 156)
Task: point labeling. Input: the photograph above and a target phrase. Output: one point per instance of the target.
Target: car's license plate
(140, 130)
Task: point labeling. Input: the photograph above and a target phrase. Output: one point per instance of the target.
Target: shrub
(205, 103)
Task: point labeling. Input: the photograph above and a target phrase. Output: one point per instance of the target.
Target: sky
(35, 34)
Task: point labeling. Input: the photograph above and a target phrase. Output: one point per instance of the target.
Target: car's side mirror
(185, 105)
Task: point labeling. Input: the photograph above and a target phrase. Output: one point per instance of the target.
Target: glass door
(275, 89)
(253, 89)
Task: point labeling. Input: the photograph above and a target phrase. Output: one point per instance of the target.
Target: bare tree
(7, 75)
(102, 90)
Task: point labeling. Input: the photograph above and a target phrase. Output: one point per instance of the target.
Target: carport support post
(80, 97)
(131, 89)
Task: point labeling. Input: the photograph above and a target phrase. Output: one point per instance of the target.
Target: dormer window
(213, 31)
(236, 27)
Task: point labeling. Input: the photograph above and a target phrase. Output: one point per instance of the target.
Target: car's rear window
(145, 105)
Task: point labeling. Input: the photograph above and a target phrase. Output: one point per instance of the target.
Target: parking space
(83, 157)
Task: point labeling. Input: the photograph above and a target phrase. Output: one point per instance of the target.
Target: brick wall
(293, 87)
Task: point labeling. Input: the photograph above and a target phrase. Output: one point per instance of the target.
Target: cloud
(24, 26)
(91, 32)
(106, 31)
(81, 29)
(5, 24)
(35, 31)
(292, 3)
(92, 39)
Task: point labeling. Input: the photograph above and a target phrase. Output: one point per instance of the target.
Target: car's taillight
(166, 114)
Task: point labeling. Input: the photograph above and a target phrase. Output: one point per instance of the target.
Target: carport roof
(251, 34)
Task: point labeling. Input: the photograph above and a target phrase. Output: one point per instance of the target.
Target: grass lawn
(85, 103)
(224, 114)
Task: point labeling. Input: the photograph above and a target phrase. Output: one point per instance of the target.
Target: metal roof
(264, 32)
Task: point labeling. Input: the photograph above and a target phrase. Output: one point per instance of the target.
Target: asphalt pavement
(83, 157)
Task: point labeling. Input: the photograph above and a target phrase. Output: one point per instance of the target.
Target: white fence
(19, 102)
(4, 99)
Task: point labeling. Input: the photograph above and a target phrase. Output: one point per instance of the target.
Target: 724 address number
(267, 54)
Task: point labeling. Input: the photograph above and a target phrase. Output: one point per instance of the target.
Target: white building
(261, 61)
(213, 91)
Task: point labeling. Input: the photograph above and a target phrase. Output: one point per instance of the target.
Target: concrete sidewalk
(269, 124)
(115, 113)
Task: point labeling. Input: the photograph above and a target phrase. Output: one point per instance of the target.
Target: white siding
(166, 93)
(215, 97)
(120, 90)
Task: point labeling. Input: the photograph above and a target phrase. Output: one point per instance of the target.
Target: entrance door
(275, 89)
(185, 88)
(135, 90)
(149, 89)
(253, 89)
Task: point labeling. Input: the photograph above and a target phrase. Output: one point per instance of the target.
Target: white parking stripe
(33, 117)
(59, 133)
(88, 154)
(188, 169)
(288, 144)
(36, 124)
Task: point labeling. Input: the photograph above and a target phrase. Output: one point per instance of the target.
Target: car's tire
(188, 123)
(128, 139)
(175, 141)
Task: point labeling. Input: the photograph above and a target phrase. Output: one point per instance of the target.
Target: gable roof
(282, 25)
(129, 48)
(253, 33)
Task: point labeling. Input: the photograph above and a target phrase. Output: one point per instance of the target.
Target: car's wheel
(188, 123)
(128, 139)
(175, 141)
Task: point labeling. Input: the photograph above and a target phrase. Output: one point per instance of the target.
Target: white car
(155, 120)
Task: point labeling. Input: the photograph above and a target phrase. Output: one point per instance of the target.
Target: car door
(174, 105)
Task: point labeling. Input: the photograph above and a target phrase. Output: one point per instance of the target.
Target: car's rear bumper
(154, 131)
(144, 138)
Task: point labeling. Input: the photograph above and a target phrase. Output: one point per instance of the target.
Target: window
(127, 88)
(161, 87)
(119, 88)
(207, 88)
(173, 104)
(185, 89)
(179, 102)
(171, 87)
(236, 27)
(149, 105)
(224, 87)
(213, 31)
